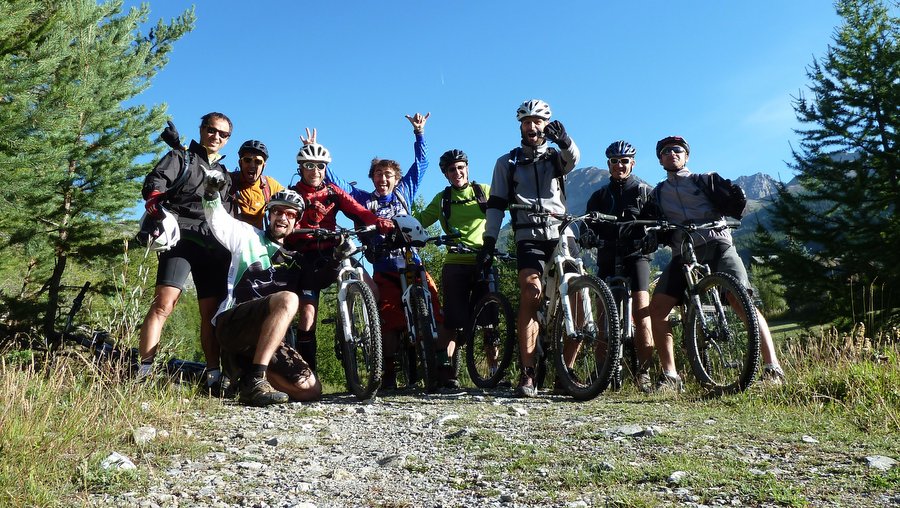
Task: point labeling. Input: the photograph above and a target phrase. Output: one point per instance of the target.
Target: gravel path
(473, 448)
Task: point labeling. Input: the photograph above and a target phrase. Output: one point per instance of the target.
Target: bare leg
(766, 344)
(529, 302)
(164, 301)
(282, 307)
(660, 307)
(305, 389)
(643, 331)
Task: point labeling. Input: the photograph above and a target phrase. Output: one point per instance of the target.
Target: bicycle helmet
(410, 229)
(159, 235)
(451, 157)
(534, 107)
(671, 140)
(256, 146)
(620, 148)
(313, 152)
(288, 198)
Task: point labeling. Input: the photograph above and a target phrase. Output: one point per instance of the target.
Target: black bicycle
(721, 330)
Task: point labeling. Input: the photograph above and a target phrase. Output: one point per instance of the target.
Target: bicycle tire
(598, 346)
(425, 346)
(362, 352)
(493, 340)
(724, 355)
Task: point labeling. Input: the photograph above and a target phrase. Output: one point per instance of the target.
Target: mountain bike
(418, 347)
(577, 318)
(109, 355)
(721, 330)
(358, 329)
(620, 286)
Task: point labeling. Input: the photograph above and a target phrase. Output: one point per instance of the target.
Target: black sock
(258, 371)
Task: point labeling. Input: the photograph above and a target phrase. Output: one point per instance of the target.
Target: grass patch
(59, 421)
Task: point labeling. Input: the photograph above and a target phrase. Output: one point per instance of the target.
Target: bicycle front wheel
(490, 340)
(722, 335)
(425, 342)
(586, 361)
(361, 356)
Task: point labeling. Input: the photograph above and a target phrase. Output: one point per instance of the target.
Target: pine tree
(841, 232)
(79, 171)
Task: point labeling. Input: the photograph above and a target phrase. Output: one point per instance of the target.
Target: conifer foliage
(75, 143)
(837, 239)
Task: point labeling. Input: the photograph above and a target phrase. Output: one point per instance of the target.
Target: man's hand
(556, 132)
(650, 243)
(318, 211)
(310, 137)
(384, 226)
(171, 137)
(485, 256)
(418, 122)
(213, 183)
(588, 240)
(152, 204)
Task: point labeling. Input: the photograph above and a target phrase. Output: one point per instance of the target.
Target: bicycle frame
(348, 274)
(412, 275)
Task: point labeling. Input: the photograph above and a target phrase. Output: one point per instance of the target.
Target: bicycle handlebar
(334, 233)
(669, 226)
(539, 210)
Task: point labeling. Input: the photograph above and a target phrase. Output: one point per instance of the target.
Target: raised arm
(410, 182)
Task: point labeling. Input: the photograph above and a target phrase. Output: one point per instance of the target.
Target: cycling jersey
(387, 207)
(251, 200)
(259, 267)
(466, 218)
(533, 178)
(679, 199)
(185, 201)
(623, 199)
(322, 205)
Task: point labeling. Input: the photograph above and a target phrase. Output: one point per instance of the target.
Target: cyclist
(251, 189)
(532, 174)
(624, 197)
(198, 252)
(460, 208)
(319, 267)
(252, 321)
(393, 195)
(679, 199)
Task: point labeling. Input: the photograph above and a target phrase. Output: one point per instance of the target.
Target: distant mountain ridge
(582, 182)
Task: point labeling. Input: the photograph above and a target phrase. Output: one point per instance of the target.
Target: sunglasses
(313, 165)
(259, 161)
(287, 212)
(624, 161)
(213, 131)
(673, 149)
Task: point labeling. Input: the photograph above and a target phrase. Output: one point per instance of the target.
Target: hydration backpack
(480, 198)
(726, 196)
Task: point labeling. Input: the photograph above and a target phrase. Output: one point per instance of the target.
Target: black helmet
(451, 157)
(257, 146)
(671, 140)
(620, 148)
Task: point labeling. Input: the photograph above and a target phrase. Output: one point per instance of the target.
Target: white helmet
(159, 235)
(313, 152)
(288, 198)
(534, 107)
(411, 230)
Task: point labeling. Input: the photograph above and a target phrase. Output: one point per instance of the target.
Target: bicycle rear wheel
(425, 342)
(585, 362)
(361, 352)
(490, 340)
(722, 335)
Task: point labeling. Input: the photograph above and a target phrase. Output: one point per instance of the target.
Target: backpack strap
(403, 202)
(264, 187)
(480, 196)
(445, 205)
(702, 183)
(183, 174)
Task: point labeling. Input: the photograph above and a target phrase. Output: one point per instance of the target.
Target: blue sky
(719, 73)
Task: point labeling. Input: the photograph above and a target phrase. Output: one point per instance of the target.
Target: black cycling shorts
(721, 257)
(317, 272)
(637, 269)
(207, 264)
(534, 254)
(460, 290)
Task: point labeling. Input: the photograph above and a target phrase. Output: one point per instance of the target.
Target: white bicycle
(579, 325)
